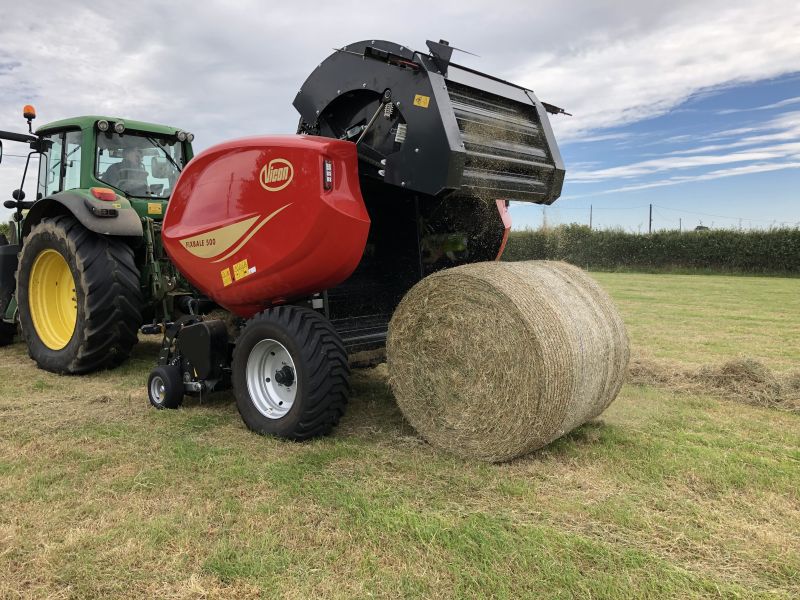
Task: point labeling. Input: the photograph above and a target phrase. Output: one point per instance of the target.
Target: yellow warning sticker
(241, 270)
(154, 208)
(226, 277)
(422, 101)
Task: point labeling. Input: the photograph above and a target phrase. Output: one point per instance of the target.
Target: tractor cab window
(72, 160)
(50, 166)
(139, 164)
(60, 165)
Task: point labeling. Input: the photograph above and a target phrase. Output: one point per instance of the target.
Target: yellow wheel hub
(52, 299)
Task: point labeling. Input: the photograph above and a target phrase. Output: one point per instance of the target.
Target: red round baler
(405, 166)
(263, 220)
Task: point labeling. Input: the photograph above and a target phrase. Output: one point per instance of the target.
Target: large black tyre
(106, 300)
(7, 333)
(290, 374)
(7, 330)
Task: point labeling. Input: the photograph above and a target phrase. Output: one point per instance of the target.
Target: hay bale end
(495, 360)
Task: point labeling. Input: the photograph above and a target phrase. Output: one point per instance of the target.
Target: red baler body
(251, 223)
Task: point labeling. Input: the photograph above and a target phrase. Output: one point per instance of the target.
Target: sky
(693, 107)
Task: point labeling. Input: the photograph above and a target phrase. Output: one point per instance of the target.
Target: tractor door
(60, 166)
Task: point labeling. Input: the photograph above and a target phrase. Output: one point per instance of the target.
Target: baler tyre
(290, 374)
(165, 387)
(79, 297)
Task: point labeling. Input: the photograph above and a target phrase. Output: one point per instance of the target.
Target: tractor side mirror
(18, 195)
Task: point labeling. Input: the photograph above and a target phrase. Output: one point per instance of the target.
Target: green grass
(700, 319)
(668, 495)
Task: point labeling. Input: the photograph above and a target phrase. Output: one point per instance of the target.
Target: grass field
(700, 319)
(667, 495)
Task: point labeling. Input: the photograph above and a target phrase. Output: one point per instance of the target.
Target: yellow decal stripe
(255, 229)
(215, 242)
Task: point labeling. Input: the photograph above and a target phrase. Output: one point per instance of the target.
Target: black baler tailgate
(507, 152)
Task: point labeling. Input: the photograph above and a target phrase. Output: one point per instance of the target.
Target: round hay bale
(495, 360)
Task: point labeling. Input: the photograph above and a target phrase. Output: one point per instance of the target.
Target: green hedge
(768, 251)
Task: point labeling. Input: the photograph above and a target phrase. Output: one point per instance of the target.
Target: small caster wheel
(165, 387)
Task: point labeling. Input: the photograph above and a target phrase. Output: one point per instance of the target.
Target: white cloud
(716, 174)
(672, 163)
(786, 127)
(224, 70)
(774, 105)
(762, 152)
(632, 73)
(604, 137)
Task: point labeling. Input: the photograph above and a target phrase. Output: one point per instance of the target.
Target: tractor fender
(127, 222)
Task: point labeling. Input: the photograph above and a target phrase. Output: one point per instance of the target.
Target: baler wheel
(79, 297)
(165, 387)
(290, 374)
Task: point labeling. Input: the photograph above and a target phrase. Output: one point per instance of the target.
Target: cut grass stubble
(672, 494)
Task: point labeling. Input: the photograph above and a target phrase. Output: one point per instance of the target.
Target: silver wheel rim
(271, 379)
(158, 390)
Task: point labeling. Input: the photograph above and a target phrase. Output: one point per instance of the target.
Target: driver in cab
(129, 174)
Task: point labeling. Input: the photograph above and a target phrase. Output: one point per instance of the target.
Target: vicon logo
(276, 175)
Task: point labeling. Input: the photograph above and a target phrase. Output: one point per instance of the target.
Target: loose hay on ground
(495, 360)
(743, 380)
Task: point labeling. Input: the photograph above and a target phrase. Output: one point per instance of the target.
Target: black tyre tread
(326, 364)
(7, 330)
(7, 333)
(112, 302)
(174, 384)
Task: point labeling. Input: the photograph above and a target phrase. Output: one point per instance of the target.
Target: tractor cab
(137, 161)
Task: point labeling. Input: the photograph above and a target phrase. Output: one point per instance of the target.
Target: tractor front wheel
(290, 373)
(79, 297)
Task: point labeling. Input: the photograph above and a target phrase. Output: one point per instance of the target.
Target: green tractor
(84, 267)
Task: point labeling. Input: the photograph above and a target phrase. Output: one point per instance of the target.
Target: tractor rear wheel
(79, 297)
(7, 330)
(7, 333)
(290, 374)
